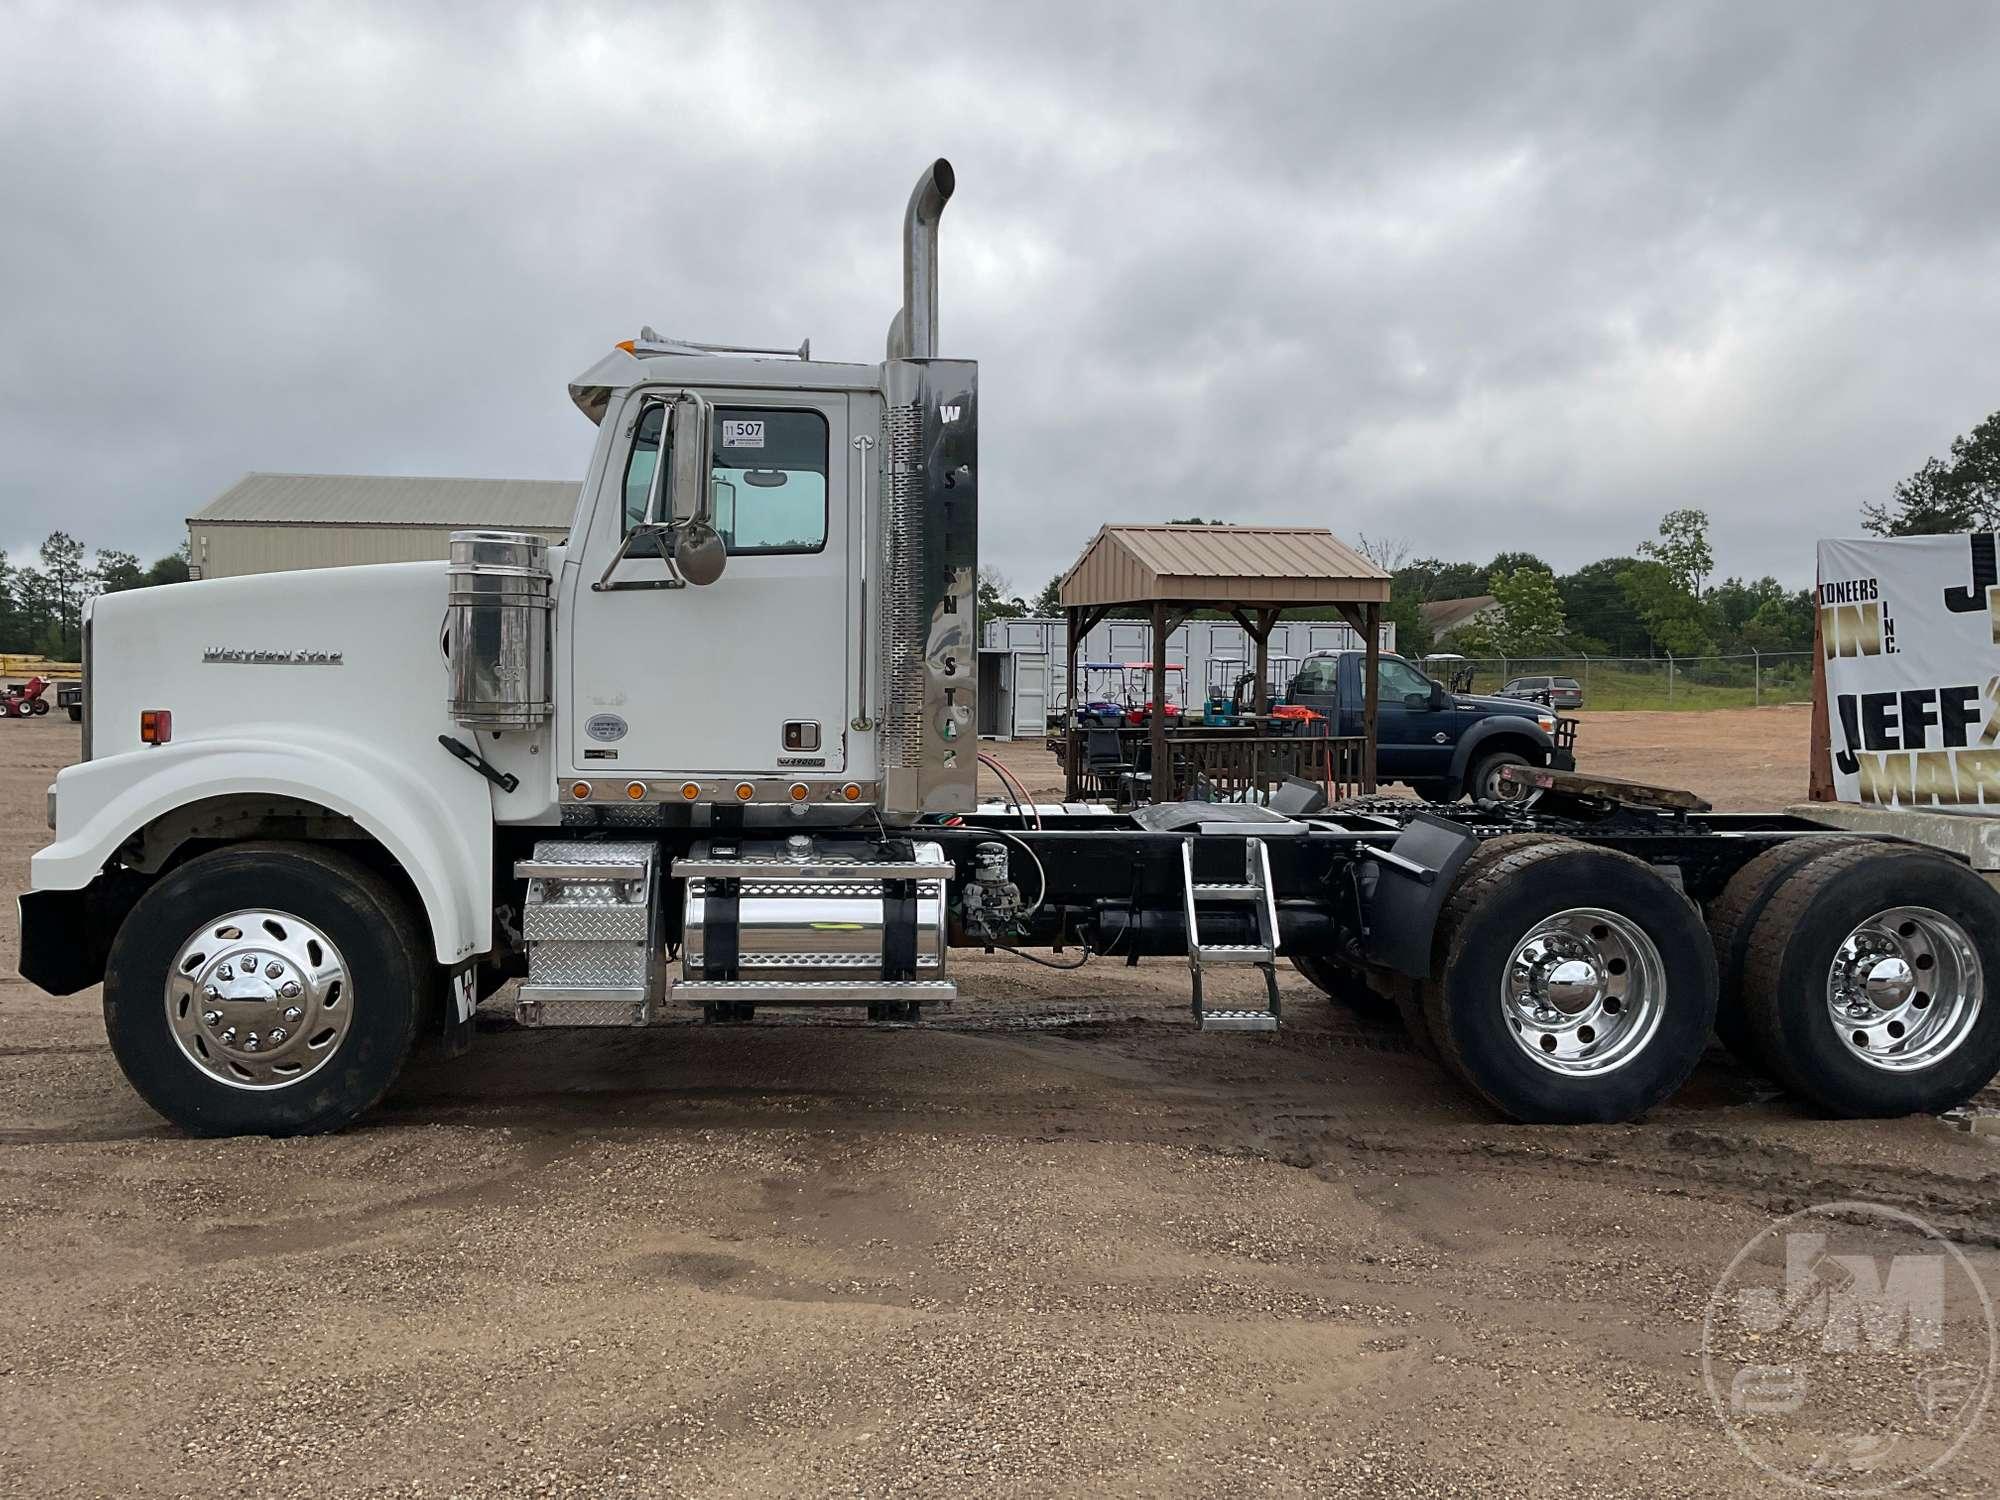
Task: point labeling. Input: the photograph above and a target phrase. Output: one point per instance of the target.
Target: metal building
(272, 523)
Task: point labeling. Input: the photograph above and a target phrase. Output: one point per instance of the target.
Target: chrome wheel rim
(259, 999)
(1494, 789)
(1905, 989)
(1584, 992)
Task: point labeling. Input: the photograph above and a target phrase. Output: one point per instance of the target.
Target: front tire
(1483, 783)
(1870, 983)
(266, 989)
(1570, 984)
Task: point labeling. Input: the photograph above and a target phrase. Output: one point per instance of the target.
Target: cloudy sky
(1477, 276)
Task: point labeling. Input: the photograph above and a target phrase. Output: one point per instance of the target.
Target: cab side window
(1397, 679)
(770, 477)
(1318, 675)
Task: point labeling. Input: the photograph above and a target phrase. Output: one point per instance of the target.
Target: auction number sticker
(742, 433)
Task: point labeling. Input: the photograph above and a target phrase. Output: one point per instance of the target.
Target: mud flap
(1404, 889)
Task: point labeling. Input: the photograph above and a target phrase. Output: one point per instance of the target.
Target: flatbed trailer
(311, 826)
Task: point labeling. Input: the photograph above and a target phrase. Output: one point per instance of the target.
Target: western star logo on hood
(249, 656)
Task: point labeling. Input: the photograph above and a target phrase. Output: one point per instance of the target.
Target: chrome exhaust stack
(913, 334)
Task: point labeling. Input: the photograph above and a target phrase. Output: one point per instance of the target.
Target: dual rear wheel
(1572, 983)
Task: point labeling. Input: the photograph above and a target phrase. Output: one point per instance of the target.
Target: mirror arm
(673, 580)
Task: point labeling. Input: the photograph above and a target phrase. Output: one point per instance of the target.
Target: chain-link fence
(1753, 680)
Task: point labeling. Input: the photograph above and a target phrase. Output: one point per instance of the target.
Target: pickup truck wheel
(1483, 780)
(76, 713)
(1869, 977)
(1570, 983)
(265, 989)
(1732, 917)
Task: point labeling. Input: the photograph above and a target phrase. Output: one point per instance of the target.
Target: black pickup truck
(1438, 743)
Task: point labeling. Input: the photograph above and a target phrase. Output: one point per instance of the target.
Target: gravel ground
(1056, 1243)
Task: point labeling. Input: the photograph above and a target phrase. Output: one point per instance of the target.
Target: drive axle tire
(1569, 984)
(1870, 981)
(1732, 917)
(266, 989)
(1337, 981)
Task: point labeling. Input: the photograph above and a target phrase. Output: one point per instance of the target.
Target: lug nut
(290, 990)
(278, 1034)
(273, 970)
(225, 972)
(294, 1015)
(211, 991)
(228, 1035)
(210, 1017)
(250, 963)
(251, 1042)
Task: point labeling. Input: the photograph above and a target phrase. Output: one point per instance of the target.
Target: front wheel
(1570, 983)
(267, 989)
(1483, 780)
(1867, 989)
(40, 707)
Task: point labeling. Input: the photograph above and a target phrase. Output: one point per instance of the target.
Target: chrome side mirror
(698, 549)
(686, 538)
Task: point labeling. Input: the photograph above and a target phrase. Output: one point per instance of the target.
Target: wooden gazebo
(1252, 573)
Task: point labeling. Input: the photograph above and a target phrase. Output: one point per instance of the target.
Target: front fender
(1518, 726)
(435, 820)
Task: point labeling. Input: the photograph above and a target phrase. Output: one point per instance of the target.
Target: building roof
(1215, 565)
(393, 500)
(1448, 614)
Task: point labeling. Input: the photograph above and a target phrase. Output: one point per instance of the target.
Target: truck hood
(355, 648)
(1485, 705)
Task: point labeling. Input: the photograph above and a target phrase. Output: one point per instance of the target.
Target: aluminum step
(558, 1005)
(1238, 1020)
(814, 991)
(1235, 953)
(1220, 892)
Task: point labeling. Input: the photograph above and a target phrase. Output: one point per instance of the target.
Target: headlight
(1547, 721)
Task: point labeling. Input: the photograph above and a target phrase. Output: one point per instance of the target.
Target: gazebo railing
(1226, 765)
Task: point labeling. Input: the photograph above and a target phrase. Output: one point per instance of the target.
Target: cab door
(750, 674)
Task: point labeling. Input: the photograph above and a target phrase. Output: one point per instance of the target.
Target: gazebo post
(1163, 770)
(1072, 718)
(1371, 615)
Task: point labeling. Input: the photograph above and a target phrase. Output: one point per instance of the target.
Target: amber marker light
(690, 790)
(799, 791)
(156, 726)
(579, 790)
(636, 790)
(745, 791)
(852, 792)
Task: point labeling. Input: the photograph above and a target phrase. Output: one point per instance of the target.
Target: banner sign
(1910, 629)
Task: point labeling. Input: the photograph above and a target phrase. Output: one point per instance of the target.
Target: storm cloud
(1478, 276)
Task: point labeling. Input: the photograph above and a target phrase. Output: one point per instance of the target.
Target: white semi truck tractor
(718, 751)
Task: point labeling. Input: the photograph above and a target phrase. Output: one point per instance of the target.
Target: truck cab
(1440, 744)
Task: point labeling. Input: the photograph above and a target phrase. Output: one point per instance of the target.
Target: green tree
(173, 568)
(1683, 548)
(1530, 617)
(1049, 600)
(1602, 621)
(1672, 615)
(115, 571)
(994, 601)
(1784, 623)
(1961, 495)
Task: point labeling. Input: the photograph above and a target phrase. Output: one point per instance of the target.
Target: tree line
(41, 601)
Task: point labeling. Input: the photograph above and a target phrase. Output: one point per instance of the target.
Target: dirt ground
(1056, 1242)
